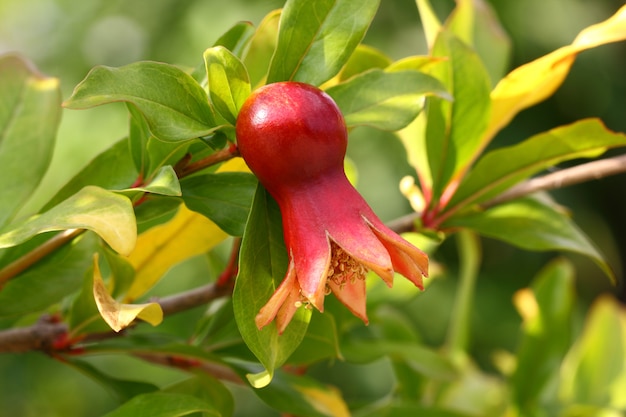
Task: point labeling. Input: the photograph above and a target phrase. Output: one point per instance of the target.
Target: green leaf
(594, 370)
(316, 38)
(112, 169)
(384, 100)
(108, 214)
(258, 56)
(165, 153)
(49, 280)
(430, 21)
(532, 224)
(224, 197)
(320, 342)
(236, 38)
(208, 389)
(502, 168)
(418, 357)
(476, 23)
(404, 409)
(165, 182)
(454, 128)
(362, 59)
(29, 117)
(173, 103)
(138, 136)
(546, 309)
(263, 264)
(229, 85)
(163, 404)
(123, 390)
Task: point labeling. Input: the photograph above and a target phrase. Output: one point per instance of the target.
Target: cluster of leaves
(174, 188)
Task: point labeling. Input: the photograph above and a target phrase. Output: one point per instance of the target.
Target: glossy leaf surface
(263, 265)
(316, 38)
(29, 116)
(229, 85)
(532, 224)
(173, 103)
(384, 100)
(224, 198)
(109, 215)
(502, 168)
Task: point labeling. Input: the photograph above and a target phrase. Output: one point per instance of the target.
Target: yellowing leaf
(108, 214)
(327, 401)
(234, 165)
(539, 79)
(118, 315)
(158, 249)
(186, 235)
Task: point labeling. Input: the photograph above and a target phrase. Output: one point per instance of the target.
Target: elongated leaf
(236, 38)
(138, 136)
(263, 264)
(430, 21)
(475, 23)
(118, 315)
(29, 116)
(113, 169)
(208, 389)
(173, 103)
(533, 225)
(224, 198)
(362, 59)
(123, 390)
(258, 56)
(384, 100)
(534, 82)
(229, 85)
(546, 309)
(502, 168)
(161, 247)
(454, 129)
(163, 404)
(316, 38)
(109, 215)
(594, 370)
(50, 280)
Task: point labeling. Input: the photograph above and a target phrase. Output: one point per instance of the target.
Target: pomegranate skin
(289, 133)
(294, 138)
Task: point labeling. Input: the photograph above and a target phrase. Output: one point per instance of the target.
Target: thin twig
(43, 334)
(593, 170)
(24, 262)
(215, 158)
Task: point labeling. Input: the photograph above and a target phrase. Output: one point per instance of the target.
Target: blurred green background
(65, 38)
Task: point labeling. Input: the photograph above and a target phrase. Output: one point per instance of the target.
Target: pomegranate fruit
(294, 139)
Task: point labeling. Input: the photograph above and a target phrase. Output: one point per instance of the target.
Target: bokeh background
(65, 38)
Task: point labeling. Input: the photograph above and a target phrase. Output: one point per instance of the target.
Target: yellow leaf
(118, 315)
(158, 249)
(326, 401)
(533, 82)
(234, 165)
(186, 235)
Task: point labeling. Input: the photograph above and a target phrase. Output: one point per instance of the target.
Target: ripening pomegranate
(294, 139)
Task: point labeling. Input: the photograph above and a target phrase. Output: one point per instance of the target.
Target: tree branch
(43, 334)
(26, 261)
(593, 170)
